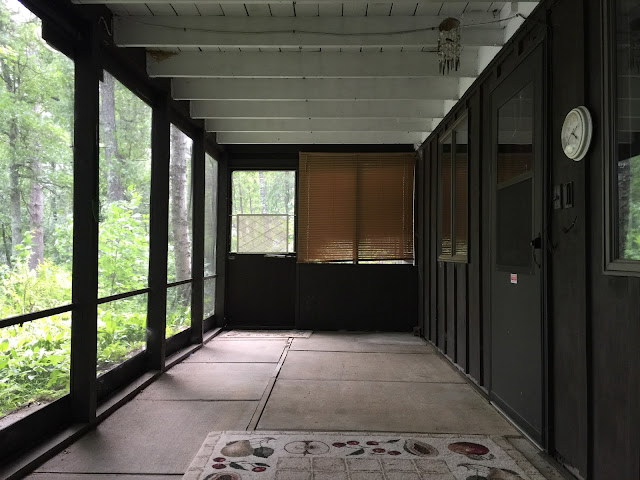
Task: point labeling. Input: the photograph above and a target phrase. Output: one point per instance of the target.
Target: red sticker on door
(514, 278)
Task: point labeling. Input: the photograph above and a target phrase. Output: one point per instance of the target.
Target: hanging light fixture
(449, 46)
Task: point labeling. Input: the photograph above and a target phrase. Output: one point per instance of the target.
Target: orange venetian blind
(355, 207)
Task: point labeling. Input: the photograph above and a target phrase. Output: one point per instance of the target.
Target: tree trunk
(263, 192)
(36, 217)
(14, 188)
(112, 160)
(179, 205)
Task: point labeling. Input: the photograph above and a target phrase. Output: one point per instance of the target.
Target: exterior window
(180, 233)
(263, 212)
(36, 219)
(123, 241)
(624, 172)
(210, 230)
(453, 210)
(356, 208)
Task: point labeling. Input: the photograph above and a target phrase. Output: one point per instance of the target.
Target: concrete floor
(330, 382)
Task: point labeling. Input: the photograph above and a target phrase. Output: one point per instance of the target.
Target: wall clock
(577, 130)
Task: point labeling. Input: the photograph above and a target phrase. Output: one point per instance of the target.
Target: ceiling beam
(319, 125)
(304, 64)
(410, 109)
(316, 89)
(295, 32)
(303, 138)
(264, 2)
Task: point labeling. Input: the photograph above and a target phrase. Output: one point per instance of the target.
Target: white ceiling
(320, 71)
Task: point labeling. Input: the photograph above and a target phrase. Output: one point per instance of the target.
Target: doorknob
(536, 242)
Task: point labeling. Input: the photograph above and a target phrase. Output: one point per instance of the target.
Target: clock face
(576, 133)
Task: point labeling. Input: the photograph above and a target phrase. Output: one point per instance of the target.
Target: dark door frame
(536, 53)
(251, 163)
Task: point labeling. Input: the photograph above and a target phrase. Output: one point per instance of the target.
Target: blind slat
(355, 207)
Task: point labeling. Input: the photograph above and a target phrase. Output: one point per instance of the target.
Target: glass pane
(122, 331)
(125, 182)
(461, 221)
(36, 167)
(628, 129)
(34, 363)
(445, 197)
(515, 136)
(178, 309)
(210, 215)
(514, 192)
(263, 211)
(209, 297)
(180, 211)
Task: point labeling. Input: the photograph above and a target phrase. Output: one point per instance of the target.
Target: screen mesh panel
(355, 207)
(263, 233)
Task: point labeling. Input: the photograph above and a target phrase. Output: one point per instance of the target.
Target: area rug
(357, 456)
(266, 334)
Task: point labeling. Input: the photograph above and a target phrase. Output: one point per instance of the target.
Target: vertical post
(197, 258)
(222, 237)
(158, 235)
(85, 231)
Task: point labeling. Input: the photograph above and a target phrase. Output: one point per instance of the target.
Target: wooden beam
(262, 2)
(305, 64)
(197, 257)
(317, 109)
(319, 125)
(84, 327)
(305, 138)
(158, 235)
(316, 89)
(295, 32)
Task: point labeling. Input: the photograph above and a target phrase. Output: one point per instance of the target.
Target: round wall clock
(577, 130)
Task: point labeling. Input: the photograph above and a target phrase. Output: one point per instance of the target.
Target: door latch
(536, 242)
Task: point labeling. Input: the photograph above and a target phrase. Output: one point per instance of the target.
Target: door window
(263, 211)
(514, 190)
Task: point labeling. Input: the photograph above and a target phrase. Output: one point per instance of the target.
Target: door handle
(536, 242)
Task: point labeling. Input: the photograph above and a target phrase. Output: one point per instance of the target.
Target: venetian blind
(355, 207)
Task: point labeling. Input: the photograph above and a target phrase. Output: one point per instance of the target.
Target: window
(210, 230)
(453, 210)
(180, 233)
(355, 207)
(123, 241)
(624, 172)
(36, 221)
(263, 212)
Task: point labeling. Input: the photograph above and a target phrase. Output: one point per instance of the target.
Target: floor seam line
(267, 393)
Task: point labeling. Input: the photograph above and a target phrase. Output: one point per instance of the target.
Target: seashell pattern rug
(357, 456)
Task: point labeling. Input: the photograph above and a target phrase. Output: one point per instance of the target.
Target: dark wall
(613, 308)
(593, 318)
(357, 297)
(270, 291)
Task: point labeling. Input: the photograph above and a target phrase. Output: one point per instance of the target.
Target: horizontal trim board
(305, 64)
(262, 2)
(285, 109)
(316, 89)
(285, 32)
(318, 125)
(306, 138)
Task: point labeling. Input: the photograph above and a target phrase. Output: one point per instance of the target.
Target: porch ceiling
(323, 71)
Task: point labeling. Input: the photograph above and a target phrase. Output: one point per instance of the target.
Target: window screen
(355, 207)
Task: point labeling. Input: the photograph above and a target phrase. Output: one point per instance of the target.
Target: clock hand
(572, 133)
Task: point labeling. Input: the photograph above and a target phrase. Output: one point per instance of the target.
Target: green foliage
(632, 250)
(34, 362)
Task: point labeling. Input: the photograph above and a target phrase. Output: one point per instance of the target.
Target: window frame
(612, 263)
(451, 134)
